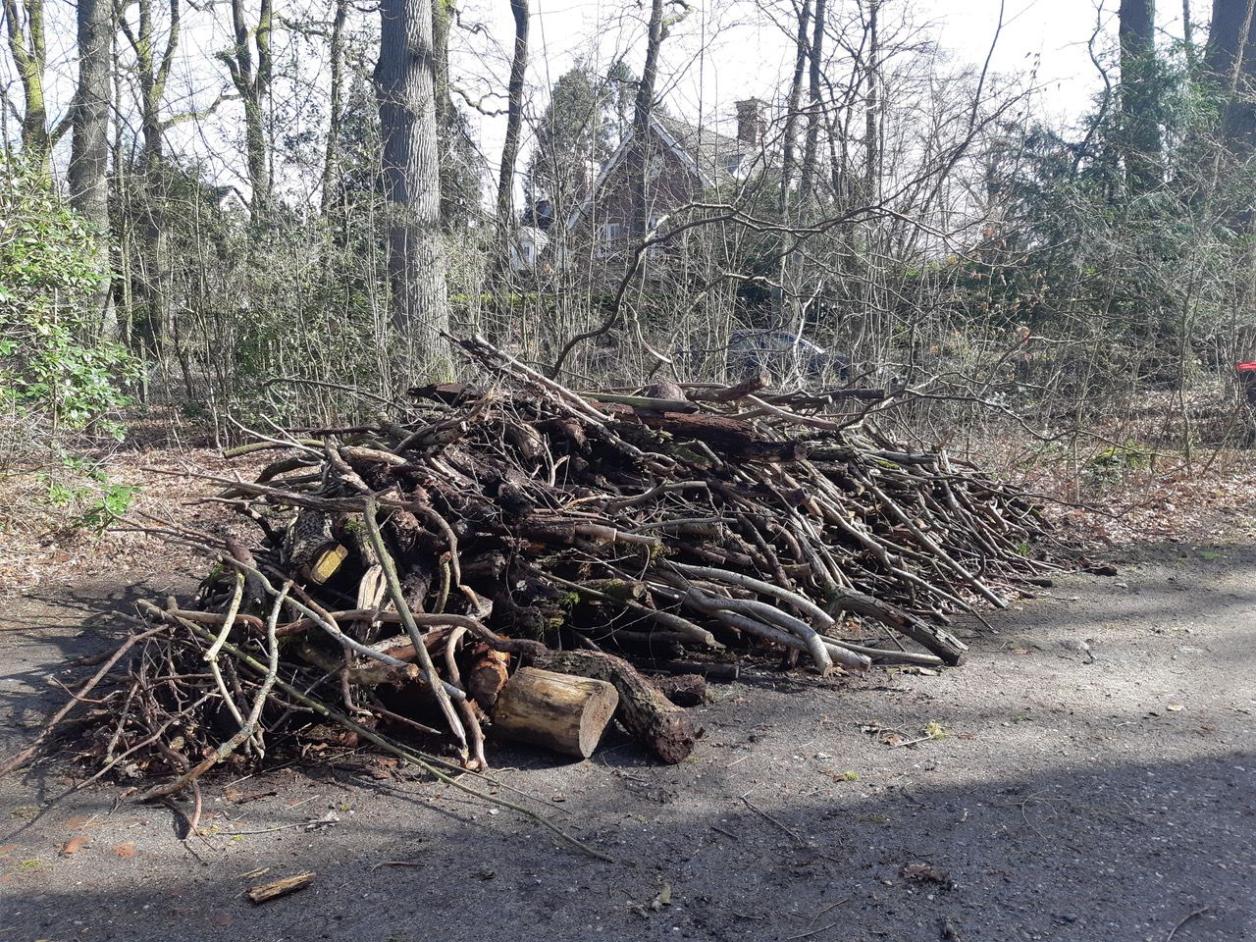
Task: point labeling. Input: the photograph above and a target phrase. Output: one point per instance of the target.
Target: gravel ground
(1093, 780)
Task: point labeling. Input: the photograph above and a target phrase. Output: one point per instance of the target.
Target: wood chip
(265, 892)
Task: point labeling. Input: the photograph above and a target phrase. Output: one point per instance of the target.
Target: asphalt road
(1092, 778)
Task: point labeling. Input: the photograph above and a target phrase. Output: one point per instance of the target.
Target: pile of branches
(522, 556)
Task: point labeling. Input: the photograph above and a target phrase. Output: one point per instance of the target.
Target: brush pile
(528, 558)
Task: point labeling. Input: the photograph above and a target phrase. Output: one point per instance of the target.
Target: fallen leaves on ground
(74, 845)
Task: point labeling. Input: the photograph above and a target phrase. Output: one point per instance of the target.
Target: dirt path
(1096, 781)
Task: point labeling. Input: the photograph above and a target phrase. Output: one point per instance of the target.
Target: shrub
(52, 363)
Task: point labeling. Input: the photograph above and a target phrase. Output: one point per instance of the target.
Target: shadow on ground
(1094, 782)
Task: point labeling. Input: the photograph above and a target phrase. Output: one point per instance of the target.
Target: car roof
(764, 333)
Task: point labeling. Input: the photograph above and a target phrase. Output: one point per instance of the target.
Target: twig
(245, 731)
(22, 756)
(1187, 918)
(798, 838)
(429, 764)
(412, 629)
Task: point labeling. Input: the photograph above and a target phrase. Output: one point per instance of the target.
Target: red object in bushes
(1247, 376)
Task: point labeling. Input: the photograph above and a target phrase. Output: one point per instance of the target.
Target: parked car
(782, 353)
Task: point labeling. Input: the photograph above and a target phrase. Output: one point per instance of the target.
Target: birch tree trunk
(405, 83)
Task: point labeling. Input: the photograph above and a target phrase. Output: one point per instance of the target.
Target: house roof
(713, 157)
(717, 156)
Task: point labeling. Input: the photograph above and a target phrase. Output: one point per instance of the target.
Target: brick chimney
(751, 121)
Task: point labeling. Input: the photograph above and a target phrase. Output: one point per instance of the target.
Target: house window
(608, 235)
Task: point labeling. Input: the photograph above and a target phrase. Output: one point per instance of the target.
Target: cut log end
(557, 711)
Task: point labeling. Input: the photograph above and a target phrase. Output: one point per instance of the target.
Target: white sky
(723, 51)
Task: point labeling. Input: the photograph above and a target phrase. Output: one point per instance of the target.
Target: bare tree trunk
(791, 110)
(331, 157)
(788, 270)
(24, 20)
(638, 153)
(1232, 62)
(250, 63)
(89, 148)
(811, 150)
(514, 118)
(153, 74)
(405, 81)
(1140, 129)
(872, 114)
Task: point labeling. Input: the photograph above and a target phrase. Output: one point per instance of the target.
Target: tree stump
(558, 711)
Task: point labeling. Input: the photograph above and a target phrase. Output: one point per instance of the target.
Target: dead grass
(47, 542)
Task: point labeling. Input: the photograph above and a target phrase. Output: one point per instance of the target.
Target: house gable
(693, 159)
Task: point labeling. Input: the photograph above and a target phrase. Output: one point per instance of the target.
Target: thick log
(729, 438)
(747, 387)
(558, 711)
(451, 394)
(659, 725)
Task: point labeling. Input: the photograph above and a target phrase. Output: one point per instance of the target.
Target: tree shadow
(791, 821)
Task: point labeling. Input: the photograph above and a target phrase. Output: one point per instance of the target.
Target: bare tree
(89, 155)
(814, 104)
(335, 106)
(638, 153)
(788, 136)
(251, 65)
(24, 20)
(152, 72)
(1140, 129)
(872, 110)
(405, 82)
(514, 115)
